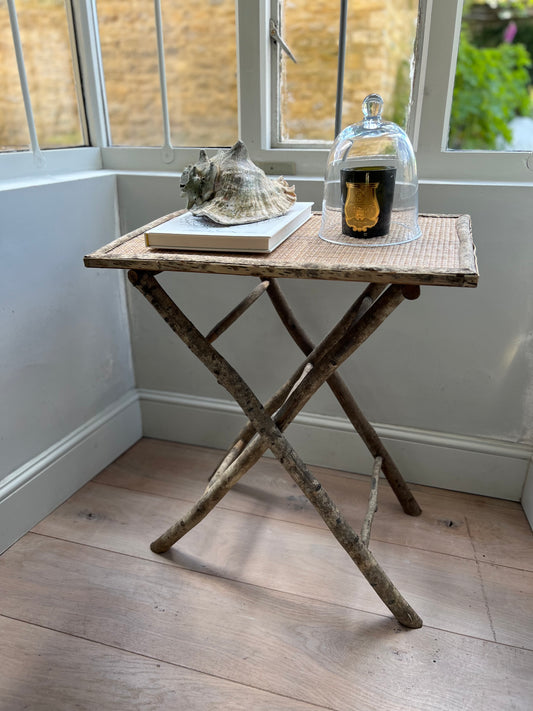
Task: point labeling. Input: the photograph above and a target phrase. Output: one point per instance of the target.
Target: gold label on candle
(361, 208)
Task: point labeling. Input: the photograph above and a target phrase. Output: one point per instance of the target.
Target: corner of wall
(31, 492)
(527, 494)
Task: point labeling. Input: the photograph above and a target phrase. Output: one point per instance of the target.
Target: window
(162, 78)
(13, 128)
(201, 45)
(493, 94)
(45, 92)
(436, 158)
(200, 62)
(379, 48)
(201, 69)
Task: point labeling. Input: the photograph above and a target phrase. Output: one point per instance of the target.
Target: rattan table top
(444, 255)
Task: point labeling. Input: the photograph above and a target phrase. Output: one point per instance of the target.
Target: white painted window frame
(435, 162)
(44, 164)
(437, 43)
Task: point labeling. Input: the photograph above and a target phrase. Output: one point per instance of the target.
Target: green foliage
(516, 4)
(402, 92)
(506, 4)
(491, 87)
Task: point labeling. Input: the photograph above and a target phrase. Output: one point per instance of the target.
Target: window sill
(47, 166)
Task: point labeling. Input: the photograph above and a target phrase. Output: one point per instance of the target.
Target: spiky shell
(231, 190)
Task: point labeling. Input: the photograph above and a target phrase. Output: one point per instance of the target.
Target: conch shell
(231, 190)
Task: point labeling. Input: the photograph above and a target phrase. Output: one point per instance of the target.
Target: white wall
(486, 366)
(67, 404)
(448, 379)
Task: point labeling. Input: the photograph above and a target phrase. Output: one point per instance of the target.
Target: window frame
(257, 62)
(254, 111)
(435, 161)
(436, 53)
(40, 163)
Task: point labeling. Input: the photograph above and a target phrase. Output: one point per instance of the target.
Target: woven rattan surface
(444, 255)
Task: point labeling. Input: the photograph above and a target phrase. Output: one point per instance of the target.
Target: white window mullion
(253, 74)
(419, 70)
(85, 25)
(274, 74)
(440, 74)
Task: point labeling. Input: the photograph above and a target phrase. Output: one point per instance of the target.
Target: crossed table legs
(266, 423)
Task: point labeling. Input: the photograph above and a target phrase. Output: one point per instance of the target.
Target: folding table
(443, 256)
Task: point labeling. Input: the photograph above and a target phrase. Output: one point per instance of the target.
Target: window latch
(276, 37)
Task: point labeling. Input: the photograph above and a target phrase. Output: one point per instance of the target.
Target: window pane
(492, 100)
(48, 61)
(13, 129)
(379, 48)
(201, 68)
(201, 65)
(129, 55)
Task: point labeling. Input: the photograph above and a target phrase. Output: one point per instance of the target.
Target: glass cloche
(371, 184)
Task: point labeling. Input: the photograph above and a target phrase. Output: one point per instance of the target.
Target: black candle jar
(367, 199)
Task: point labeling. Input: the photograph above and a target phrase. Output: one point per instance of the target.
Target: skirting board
(475, 465)
(34, 490)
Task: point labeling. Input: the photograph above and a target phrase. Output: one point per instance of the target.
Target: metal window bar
(17, 43)
(340, 66)
(168, 153)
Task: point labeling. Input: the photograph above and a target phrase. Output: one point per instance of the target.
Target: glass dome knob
(372, 108)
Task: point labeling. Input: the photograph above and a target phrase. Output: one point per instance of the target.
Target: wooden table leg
(351, 317)
(348, 404)
(227, 472)
(273, 438)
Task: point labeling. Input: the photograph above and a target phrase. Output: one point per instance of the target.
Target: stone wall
(201, 69)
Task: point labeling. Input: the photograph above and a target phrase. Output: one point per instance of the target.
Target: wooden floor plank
(176, 470)
(44, 670)
(446, 591)
(505, 539)
(295, 646)
(509, 594)
(258, 607)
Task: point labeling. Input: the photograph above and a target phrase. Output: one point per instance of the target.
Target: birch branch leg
(248, 431)
(352, 315)
(366, 528)
(266, 428)
(331, 358)
(249, 454)
(238, 311)
(215, 491)
(341, 391)
(255, 449)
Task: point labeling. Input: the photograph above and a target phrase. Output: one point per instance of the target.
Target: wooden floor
(258, 608)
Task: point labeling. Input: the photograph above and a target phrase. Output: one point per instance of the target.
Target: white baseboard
(39, 486)
(471, 464)
(476, 465)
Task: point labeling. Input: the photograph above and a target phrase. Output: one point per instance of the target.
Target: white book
(188, 232)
